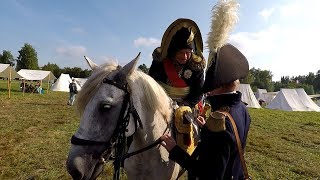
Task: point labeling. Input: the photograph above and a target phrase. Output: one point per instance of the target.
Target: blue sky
(278, 35)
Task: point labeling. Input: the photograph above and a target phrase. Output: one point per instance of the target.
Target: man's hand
(201, 121)
(168, 142)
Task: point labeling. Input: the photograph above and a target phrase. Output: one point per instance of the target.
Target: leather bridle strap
(158, 141)
(83, 142)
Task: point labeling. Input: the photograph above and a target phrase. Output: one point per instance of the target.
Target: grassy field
(35, 133)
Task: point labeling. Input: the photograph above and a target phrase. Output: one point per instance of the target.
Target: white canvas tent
(293, 100)
(315, 98)
(62, 83)
(37, 75)
(307, 101)
(248, 96)
(318, 102)
(267, 97)
(81, 81)
(6, 71)
(259, 93)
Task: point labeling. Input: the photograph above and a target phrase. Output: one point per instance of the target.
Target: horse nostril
(73, 169)
(105, 106)
(76, 175)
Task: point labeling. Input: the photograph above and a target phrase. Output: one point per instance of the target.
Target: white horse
(116, 102)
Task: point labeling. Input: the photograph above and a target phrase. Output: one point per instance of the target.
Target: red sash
(172, 74)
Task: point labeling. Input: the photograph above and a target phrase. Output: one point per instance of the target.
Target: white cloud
(71, 51)
(147, 42)
(266, 13)
(286, 47)
(303, 10)
(282, 50)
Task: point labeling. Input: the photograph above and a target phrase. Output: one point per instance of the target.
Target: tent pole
(24, 87)
(48, 84)
(9, 83)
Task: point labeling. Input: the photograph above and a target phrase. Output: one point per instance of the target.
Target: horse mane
(150, 93)
(140, 84)
(93, 83)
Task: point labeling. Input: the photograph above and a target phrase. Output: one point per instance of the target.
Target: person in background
(31, 88)
(38, 87)
(217, 155)
(72, 92)
(178, 65)
(23, 85)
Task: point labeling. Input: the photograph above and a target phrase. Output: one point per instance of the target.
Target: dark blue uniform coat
(218, 157)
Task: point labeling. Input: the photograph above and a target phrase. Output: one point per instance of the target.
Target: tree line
(28, 59)
(257, 78)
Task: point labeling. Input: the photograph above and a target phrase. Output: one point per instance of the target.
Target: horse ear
(128, 68)
(92, 65)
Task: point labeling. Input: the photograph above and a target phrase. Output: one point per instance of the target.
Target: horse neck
(154, 126)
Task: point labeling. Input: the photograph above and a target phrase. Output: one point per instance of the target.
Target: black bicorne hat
(181, 34)
(183, 39)
(227, 65)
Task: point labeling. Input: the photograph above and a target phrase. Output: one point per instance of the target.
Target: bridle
(118, 140)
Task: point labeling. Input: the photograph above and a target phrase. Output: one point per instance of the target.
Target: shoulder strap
(235, 129)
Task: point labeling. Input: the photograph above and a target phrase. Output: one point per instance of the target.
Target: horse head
(114, 103)
(100, 103)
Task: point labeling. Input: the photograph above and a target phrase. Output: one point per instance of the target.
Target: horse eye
(105, 105)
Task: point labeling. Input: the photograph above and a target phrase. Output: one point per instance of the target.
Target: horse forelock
(152, 95)
(92, 85)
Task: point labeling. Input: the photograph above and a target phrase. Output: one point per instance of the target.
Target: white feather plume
(223, 19)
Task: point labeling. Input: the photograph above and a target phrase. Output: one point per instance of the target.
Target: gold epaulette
(216, 122)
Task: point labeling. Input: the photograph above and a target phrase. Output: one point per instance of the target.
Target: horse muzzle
(84, 163)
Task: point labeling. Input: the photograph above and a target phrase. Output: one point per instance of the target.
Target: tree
(285, 80)
(248, 80)
(85, 73)
(7, 58)
(310, 78)
(308, 88)
(259, 79)
(54, 68)
(27, 58)
(144, 68)
(77, 72)
(316, 82)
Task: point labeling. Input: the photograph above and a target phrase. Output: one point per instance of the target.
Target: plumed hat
(182, 34)
(183, 39)
(227, 65)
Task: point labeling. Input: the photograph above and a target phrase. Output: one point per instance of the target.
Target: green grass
(35, 133)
